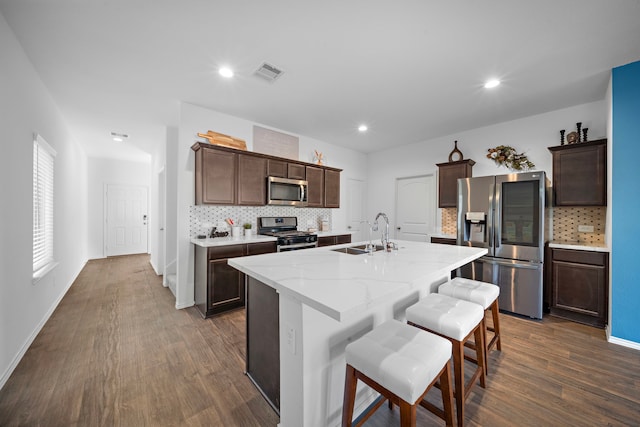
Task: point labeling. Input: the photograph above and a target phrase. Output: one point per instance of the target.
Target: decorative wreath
(505, 155)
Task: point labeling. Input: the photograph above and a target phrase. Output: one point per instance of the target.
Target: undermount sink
(364, 247)
(357, 250)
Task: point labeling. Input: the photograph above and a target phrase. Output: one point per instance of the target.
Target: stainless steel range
(286, 230)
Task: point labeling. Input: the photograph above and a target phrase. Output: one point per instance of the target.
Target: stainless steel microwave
(286, 192)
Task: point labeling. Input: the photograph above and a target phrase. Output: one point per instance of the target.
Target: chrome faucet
(370, 245)
(385, 233)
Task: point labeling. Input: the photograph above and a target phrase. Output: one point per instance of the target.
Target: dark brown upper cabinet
(448, 174)
(227, 176)
(580, 174)
(216, 177)
(315, 178)
(277, 168)
(252, 182)
(331, 188)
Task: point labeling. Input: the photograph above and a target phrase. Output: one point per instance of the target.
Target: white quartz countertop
(226, 241)
(579, 246)
(342, 285)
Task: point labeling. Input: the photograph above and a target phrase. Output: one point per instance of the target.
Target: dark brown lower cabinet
(334, 240)
(443, 240)
(579, 286)
(218, 287)
(263, 340)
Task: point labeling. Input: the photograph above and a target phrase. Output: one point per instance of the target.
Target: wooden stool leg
(407, 414)
(349, 398)
(458, 378)
(496, 325)
(481, 350)
(485, 346)
(447, 395)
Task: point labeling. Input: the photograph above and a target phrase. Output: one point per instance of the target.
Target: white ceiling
(411, 70)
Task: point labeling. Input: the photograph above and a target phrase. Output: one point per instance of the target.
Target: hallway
(116, 352)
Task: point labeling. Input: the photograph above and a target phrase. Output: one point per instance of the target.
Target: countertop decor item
(224, 140)
(572, 137)
(455, 155)
(504, 155)
(317, 157)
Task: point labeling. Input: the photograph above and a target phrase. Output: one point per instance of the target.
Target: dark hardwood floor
(116, 352)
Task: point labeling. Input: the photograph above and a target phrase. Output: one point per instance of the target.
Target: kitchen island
(319, 300)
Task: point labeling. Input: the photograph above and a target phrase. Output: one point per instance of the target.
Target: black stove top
(293, 233)
(285, 229)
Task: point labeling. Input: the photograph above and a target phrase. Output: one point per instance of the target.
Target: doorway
(415, 207)
(125, 220)
(355, 208)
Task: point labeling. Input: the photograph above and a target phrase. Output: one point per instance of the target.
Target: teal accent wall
(625, 203)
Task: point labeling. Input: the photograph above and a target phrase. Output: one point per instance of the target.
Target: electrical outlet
(291, 339)
(585, 228)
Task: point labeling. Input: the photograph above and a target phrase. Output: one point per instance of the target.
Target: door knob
(397, 228)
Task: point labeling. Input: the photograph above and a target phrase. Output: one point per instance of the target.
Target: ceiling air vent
(269, 72)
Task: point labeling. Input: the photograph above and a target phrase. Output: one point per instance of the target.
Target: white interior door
(126, 220)
(415, 207)
(355, 208)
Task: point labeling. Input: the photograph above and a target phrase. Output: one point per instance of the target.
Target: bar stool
(484, 294)
(401, 363)
(456, 320)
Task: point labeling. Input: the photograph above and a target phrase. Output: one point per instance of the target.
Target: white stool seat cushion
(401, 358)
(471, 290)
(446, 315)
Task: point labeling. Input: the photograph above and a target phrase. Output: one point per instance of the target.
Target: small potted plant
(247, 229)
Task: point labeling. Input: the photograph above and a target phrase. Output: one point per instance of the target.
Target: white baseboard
(625, 343)
(181, 306)
(18, 357)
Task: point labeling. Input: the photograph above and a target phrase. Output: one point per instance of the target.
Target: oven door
(297, 246)
(286, 192)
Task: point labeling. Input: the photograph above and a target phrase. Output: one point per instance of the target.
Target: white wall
(26, 106)
(194, 119)
(531, 135)
(109, 171)
(156, 218)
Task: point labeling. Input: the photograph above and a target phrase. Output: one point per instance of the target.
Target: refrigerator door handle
(531, 266)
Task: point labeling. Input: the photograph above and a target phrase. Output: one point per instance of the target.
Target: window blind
(43, 196)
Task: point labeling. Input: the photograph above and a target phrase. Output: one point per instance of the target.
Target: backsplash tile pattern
(449, 221)
(565, 223)
(567, 219)
(203, 217)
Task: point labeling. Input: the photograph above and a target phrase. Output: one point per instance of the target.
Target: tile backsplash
(203, 217)
(565, 223)
(567, 219)
(449, 221)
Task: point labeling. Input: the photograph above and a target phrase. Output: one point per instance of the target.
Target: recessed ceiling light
(363, 128)
(119, 137)
(226, 72)
(492, 83)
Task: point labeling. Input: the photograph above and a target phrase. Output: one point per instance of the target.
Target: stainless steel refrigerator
(507, 214)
